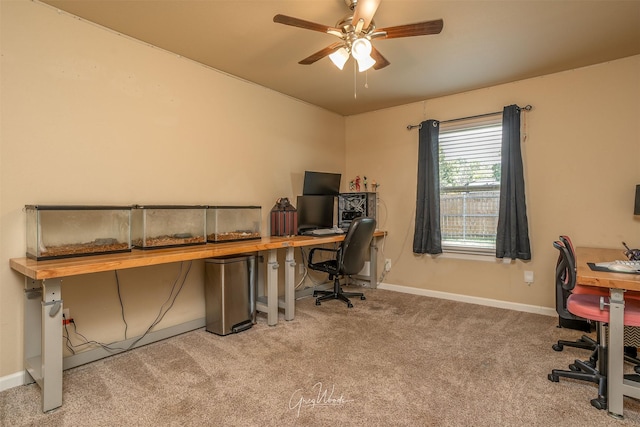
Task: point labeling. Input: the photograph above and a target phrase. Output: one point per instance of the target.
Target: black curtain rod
(495, 113)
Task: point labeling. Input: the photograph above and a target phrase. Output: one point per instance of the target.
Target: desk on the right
(618, 283)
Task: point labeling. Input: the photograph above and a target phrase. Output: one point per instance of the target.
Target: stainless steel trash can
(229, 293)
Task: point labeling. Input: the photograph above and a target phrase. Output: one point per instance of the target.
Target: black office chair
(349, 259)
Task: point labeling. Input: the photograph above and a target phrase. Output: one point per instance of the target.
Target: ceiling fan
(355, 31)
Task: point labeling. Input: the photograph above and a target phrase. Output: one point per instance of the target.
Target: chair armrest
(320, 249)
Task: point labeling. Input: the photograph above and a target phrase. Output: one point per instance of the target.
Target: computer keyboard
(325, 231)
(621, 265)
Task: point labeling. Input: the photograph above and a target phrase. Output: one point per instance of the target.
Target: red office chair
(588, 306)
(566, 317)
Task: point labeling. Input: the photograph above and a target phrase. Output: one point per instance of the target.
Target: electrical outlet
(528, 277)
(387, 264)
(66, 319)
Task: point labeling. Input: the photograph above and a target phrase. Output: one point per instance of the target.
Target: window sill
(471, 253)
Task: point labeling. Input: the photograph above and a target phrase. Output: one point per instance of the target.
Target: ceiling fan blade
(301, 23)
(410, 30)
(365, 9)
(321, 53)
(381, 61)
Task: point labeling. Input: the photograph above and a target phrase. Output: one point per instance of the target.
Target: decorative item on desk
(357, 183)
(364, 181)
(632, 254)
(284, 218)
(374, 186)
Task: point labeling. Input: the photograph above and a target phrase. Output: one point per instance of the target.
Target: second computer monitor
(315, 212)
(321, 184)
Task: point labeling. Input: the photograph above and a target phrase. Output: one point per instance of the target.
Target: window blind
(470, 153)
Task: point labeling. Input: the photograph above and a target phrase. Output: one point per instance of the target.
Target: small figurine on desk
(365, 183)
(352, 185)
(374, 186)
(357, 182)
(632, 254)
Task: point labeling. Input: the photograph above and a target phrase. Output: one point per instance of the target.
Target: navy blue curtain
(512, 237)
(426, 237)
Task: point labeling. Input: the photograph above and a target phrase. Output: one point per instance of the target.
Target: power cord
(160, 313)
(171, 299)
(68, 343)
(404, 242)
(126, 326)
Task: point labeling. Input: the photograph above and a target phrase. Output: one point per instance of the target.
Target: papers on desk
(617, 266)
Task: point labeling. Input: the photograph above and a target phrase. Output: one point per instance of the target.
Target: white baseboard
(12, 380)
(546, 311)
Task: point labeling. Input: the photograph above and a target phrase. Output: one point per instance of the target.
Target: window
(470, 183)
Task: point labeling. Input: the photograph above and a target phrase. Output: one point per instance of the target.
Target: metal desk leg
(272, 288)
(615, 373)
(289, 286)
(43, 339)
(373, 264)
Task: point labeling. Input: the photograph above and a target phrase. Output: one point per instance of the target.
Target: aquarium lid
(169, 207)
(234, 207)
(75, 207)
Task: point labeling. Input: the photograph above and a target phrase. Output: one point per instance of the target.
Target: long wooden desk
(618, 283)
(43, 293)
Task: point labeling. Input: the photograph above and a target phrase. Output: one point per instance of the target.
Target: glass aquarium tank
(163, 226)
(69, 231)
(233, 223)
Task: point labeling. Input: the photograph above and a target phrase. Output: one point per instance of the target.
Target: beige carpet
(392, 360)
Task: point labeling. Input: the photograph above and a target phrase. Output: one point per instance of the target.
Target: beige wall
(581, 159)
(90, 117)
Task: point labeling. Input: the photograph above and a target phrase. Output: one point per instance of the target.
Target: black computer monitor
(321, 184)
(315, 212)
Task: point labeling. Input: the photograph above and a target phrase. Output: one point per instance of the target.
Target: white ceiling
(483, 43)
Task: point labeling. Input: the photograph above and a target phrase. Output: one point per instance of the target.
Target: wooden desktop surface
(604, 279)
(65, 267)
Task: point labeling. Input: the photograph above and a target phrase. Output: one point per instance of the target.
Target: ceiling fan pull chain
(366, 79)
(355, 81)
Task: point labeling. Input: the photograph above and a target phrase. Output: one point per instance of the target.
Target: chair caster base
(553, 378)
(599, 403)
(317, 302)
(362, 298)
(557, 347)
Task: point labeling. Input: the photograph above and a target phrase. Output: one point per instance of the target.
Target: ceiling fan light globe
(361, 48)
(339, 57)
(365, 63)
